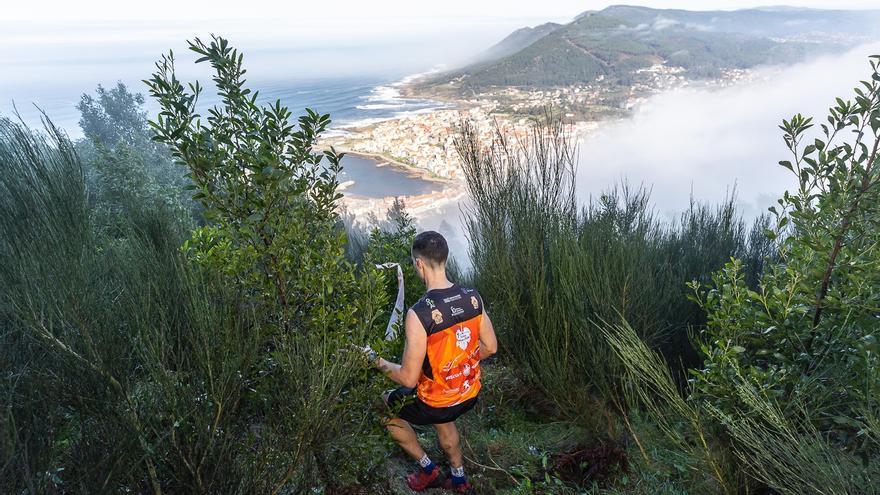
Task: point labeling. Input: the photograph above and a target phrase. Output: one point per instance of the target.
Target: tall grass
(759, 443)
(551, 268)
(125, 367)
(119, 356)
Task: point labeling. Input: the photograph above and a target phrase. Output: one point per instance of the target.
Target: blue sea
(350, 101)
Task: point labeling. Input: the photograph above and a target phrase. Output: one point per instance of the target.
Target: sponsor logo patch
(456, 311)
(451, 364)
(474, 302)
(437, 316)
(452, 298)
(463, 337)
(430, 303)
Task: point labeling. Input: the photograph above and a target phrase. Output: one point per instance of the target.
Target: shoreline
(420, 144)
(382, 160)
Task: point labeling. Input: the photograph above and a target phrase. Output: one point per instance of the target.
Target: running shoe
(465, 487)
(420, 480)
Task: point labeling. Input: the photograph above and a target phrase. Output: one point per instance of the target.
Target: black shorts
(416, 412)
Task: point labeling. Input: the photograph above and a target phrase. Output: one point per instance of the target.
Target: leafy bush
(130, 364)
(276, 237)
(787, 396)
(116, 351)
(124, 168)
(391, 241)
(806, 337)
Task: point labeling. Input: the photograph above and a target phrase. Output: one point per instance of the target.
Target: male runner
(447, 334)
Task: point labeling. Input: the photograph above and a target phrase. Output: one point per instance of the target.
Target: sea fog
(705, 142)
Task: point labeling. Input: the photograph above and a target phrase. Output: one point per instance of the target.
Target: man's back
(451, 318)
(447, 333)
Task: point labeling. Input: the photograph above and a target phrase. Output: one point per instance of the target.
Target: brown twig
(497, 468)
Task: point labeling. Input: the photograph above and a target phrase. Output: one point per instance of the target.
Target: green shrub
(115, 349)
(132, 364)
(122, 165)
(806, 337)
(391, 241)
(787, 397)
(276, 237)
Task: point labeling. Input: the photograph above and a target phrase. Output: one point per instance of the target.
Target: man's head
(429, 253)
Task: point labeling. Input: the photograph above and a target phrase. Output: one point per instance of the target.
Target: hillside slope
(517, 40)
(619, 40)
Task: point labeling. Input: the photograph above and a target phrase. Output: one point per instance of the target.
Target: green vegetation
(155, 343)
(785, 396)
(145, 358)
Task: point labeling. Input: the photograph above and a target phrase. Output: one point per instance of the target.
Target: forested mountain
(618, 40)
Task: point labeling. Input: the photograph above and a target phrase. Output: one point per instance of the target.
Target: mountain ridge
(517, 40)
(619, 40)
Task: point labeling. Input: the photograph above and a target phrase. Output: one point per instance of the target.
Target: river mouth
(371, 177)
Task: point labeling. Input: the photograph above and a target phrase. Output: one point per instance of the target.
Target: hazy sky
(93, 10)
(31, 29)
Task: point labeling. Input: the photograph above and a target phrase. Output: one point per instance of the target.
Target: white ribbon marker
(391, 330)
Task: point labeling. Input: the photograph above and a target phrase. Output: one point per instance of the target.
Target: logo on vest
(463, 337)
(467, 370)
(437, 316)
(474, 302)
(448, 300)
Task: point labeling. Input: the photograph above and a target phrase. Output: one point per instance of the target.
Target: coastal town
(425, 142)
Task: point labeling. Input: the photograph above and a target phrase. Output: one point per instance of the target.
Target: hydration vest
(451, 371)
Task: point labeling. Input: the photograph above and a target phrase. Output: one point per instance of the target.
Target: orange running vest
(451, 371)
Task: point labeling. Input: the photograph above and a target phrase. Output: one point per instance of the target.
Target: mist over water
(705, 141)
(702, 142)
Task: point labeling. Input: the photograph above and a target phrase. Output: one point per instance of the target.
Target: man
(447, 334)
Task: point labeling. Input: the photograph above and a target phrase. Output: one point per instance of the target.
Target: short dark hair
(430, 246)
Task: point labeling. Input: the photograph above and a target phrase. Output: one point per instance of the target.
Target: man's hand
(368, 353)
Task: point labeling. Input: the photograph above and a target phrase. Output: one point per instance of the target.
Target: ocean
(351, 101)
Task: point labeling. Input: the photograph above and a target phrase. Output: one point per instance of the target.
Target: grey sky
(376, 10)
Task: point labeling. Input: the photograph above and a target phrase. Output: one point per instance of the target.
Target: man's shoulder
(469, 291)
(423, 303)
(472, 296)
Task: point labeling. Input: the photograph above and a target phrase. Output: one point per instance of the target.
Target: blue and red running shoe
(420, 480)
(465, 487)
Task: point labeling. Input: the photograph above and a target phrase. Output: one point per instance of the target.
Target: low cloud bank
(706, 142)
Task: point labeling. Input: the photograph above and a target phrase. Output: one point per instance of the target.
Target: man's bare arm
(407, 373)
(488, 341)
